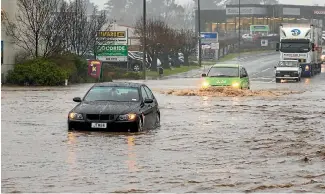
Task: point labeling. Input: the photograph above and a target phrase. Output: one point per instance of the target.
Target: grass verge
(168, 72)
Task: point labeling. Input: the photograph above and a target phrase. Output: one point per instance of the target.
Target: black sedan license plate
(286, 75)
(99, 125)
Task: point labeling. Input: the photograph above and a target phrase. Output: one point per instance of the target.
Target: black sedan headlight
(127, 117)
(75, 116)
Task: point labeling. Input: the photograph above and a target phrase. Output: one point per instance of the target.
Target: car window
(242, 72)
(245, 72)
(223, 72)
(112, 93)
(150, 94)
(144, 93)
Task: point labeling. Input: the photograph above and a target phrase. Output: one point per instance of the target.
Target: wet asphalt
(204, 144)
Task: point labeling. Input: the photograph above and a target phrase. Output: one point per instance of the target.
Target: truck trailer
(301, 42)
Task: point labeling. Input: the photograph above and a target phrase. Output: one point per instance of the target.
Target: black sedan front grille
(99, 117)
(290, 73)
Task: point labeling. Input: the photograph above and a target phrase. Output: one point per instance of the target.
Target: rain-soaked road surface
(204, 144)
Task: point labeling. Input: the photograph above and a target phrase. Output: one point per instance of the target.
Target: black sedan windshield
(113, 93)
(223, 72)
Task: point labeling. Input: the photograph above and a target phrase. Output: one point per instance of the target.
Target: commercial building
(8, 48)
(227, 20)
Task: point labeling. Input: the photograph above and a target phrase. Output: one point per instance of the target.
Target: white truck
(301, 42)
(287, 70)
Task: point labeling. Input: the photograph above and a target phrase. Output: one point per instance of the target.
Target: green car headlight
(205, 84)
(235, 84)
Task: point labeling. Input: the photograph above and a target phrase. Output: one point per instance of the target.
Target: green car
(226, 75)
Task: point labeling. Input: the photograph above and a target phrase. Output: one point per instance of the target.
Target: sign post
(210, 40)
(95, 69)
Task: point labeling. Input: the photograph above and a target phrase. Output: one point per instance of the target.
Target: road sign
(264, 42)
(259, 28)
(112, 46)
(209, 37)
(113, 59)
(112, 37)
(112, 50)
(94, 68)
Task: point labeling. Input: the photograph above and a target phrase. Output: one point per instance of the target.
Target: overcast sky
(100, 3)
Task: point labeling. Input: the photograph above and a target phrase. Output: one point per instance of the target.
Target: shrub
(75, 66)
(38, 71)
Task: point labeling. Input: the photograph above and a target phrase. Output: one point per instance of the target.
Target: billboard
(112, 46)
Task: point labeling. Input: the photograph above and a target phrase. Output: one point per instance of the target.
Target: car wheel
(157, 120)
(139, 126)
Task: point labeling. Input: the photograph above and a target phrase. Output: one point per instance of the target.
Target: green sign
(112, 50)
(259, 28)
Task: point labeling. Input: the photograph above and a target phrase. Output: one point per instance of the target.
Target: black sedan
(115, 106)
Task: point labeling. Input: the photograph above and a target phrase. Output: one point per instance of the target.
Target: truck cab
(288, 70)
(301, 42)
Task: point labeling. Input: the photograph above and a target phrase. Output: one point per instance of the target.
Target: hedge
(37, 72)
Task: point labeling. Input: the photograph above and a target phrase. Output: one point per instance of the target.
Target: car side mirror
(274, 67)
(77, 99)
(277, 46)
(148, 101)
(204, 75)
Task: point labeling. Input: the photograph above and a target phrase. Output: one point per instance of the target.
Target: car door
(246, 78)
(146, 109)
(154, 104)
(243, 78)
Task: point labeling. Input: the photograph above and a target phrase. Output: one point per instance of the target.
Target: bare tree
(30, 23)
(54, 33)
(188, 42)
(82, 28)
(158, 39)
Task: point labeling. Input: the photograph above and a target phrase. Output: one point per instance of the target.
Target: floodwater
(205, 143)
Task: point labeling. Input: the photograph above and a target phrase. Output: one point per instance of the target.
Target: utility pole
(239, 30)
(199, 26)
(144, 39)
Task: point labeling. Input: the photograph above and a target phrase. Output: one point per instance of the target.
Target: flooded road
(204, 144)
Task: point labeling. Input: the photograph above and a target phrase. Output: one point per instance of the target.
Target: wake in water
(228, 92)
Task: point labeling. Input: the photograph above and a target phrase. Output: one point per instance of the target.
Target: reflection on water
(71, 160)
(206, 101)
(131, 155)
(307, 81)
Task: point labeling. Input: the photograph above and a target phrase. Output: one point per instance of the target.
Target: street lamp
(144, 40)
(199, 26)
